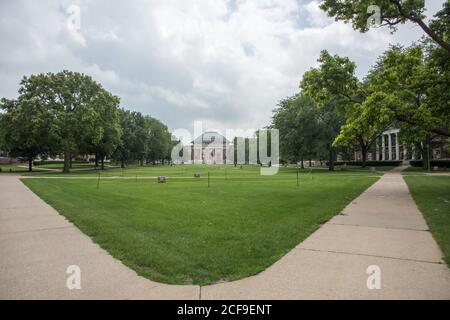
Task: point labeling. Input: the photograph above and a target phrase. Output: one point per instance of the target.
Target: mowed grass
(7, 168)
(185, 232)
(432, 196)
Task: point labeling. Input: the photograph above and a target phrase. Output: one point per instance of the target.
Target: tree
(404, 87)
(107, 122)
(334, 82)
(159, 140)
(27, 129)
(72, 98)
(133, 143)
(393, 13)
(296, 119)
(330, 121)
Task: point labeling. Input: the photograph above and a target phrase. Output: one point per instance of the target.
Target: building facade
(209, 148)
(389, 148)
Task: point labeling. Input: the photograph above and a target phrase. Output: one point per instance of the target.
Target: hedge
(43, 162)
(434, 163)
(369, 163)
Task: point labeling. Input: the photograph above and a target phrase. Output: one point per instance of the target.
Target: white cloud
(226, 62)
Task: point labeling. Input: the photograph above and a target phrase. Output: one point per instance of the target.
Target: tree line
(68, 113)
(407, 86)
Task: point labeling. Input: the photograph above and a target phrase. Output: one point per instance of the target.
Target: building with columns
(389, 148)
(210, 148)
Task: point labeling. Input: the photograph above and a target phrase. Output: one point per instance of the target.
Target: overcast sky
(226, 62)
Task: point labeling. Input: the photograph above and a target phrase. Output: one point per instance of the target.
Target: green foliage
(27, 129)
(68, 112)
(437, 163)
(406, 86)
(334, 80)
(296, 118)
(144, 139)
(81, 111)
(356, 11)
(159, 140)
(393, 13)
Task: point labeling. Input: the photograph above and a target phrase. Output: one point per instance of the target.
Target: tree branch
(425, 28)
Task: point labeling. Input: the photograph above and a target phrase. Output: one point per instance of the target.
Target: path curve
(382, 227)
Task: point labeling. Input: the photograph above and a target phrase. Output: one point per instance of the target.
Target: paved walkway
(382, 227)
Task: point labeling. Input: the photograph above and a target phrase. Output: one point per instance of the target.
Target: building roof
(210, 137)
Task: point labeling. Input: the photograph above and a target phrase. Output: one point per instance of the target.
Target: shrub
(42, 162)
(371, 163)
(434, 163)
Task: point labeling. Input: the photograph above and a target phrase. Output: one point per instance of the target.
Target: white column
(382, 147)
(389, 147)
(397, 146)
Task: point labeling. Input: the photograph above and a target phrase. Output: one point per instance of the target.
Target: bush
(43, 162)
(368, 163)
(434, 163)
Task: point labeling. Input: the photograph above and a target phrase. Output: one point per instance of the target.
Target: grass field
(432, 196)
(185, 232)
(6, 168)
(75, 165)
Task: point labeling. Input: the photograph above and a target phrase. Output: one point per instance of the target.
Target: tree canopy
(393, 13)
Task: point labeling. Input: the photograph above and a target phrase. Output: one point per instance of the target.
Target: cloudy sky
(226, 62)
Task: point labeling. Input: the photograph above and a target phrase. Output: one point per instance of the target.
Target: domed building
(209, 148)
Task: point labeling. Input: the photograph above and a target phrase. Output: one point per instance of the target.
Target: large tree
(108, 124)
(393, 13)
(133, 143)
(74, 100)
(296, 118)
(27, 129)
(159, 141)
(334, 82)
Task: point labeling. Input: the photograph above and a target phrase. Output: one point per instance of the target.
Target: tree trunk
(66, 168)
(30, 164)
(310, 163)
(141, 162)
(331, 160)
(70, 161)
(364, 156)
(301, 163)
(96, 159)
(122, 163)
(103, 163)
(426, 157)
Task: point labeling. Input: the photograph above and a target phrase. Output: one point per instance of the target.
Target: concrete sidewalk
(37, 245)
(382, 227)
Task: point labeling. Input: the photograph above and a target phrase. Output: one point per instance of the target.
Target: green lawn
(184, 232)
(420, 170)
(59, 166)
(432, 195)
(6, 168)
